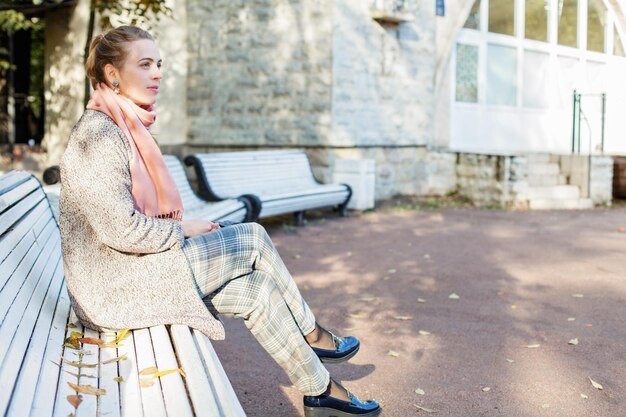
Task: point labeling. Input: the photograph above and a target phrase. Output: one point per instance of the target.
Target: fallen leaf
(421, 300)
(148, 371)
(111, 345)
(427, 256)
(386, 278)
(423, 332)
(121, 335)
(358, 316)
(163, 373)
(72, 344)
(74, 374)
(369, 299)
(71, 326)
(118, 379)
(545, 405)
(182, 372)
(533, 346)
(146, 382)
(391, 271)
(486, 389)
(501, 292)
(296, 256)
(595, 384)
(87, 389)
(403, 318)
(349, 254)
(90, 341)
(389, 331)
(588, 325)
(513, 306)
(420, 391)
(426, 410)
(571, 318)
(76, 335)
(583, 396)
(509, 360)
(75, 400)
(577, 295)
(573, 341)
(393, 353)
(117, 359)
(454, 296)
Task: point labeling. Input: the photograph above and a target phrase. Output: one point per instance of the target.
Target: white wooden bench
(282, 180)
(37, 366)
(239, 209)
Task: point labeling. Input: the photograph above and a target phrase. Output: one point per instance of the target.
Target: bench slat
(16, 296)
(198, 385)
(130, 391)
(151, 396)
(174, 393)
(17, 243)
(62, 408)
(16, 188)
(109, 404)
(225, 393)
(12, 215)
(33, 362)
(43, 403)
(91, 356)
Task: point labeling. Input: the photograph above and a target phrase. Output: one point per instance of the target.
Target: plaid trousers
(238, 271)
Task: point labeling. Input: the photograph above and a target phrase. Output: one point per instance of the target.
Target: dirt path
(527, 282)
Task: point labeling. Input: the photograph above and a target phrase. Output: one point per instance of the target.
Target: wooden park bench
(48, 360)
(240, 209)
(282, 180)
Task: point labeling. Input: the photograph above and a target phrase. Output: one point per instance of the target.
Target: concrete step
(554, 192)
(552, 204)
(543, 169)
(538, 158)
(544, 180)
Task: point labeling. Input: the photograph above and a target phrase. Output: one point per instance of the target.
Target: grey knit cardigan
(123, 269)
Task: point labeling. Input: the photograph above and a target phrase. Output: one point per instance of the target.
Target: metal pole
(579, 111)
(603, 121)
(11, 102)
(574, 123)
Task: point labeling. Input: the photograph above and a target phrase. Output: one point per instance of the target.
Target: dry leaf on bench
(595, 384)
(393, 353)
(118, 379)
(122, 335)
(117, 359)
(426, 410)
(87, 389)
(71, 326)
(78, 364)
(148, 371)
(146, 382)
(90, 341)
(169, 371)
(75, 400)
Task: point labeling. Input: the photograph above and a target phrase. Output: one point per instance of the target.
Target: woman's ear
(111, 74)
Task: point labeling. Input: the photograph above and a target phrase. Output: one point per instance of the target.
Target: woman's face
(140, 75)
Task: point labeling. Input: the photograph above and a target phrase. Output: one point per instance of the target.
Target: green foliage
(12, 21)
(132, 12)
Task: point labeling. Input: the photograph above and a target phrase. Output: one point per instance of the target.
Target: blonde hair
(111, 48)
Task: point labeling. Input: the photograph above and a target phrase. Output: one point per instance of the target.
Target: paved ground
(523, 279)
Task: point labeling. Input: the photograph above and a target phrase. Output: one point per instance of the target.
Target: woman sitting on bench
(132, 261)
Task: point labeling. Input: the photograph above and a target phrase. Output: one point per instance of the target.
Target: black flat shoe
(326, 406)
(345, 348)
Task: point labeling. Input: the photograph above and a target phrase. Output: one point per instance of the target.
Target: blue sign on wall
(440, 8)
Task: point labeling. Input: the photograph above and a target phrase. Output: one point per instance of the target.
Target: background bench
(239, 209)
(36, 364)
(282, 180)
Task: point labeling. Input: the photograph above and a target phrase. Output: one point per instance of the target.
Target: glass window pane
(618, 46)
(466, 73)
(536, 83)
(501, 75)
(596, 20)
(473, 20)
(568, 18)
(537, 20)
(501, 16)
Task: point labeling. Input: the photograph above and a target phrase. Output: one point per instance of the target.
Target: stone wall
(383, 77)
(597, 184)
(259, 72)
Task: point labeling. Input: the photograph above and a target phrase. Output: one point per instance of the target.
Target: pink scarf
(154, 191)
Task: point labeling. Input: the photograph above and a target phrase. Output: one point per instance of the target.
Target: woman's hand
(198, 227)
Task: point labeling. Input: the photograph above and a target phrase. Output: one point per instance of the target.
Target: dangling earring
(116, 84)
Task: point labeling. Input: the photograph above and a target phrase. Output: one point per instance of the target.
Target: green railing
(578, 114)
